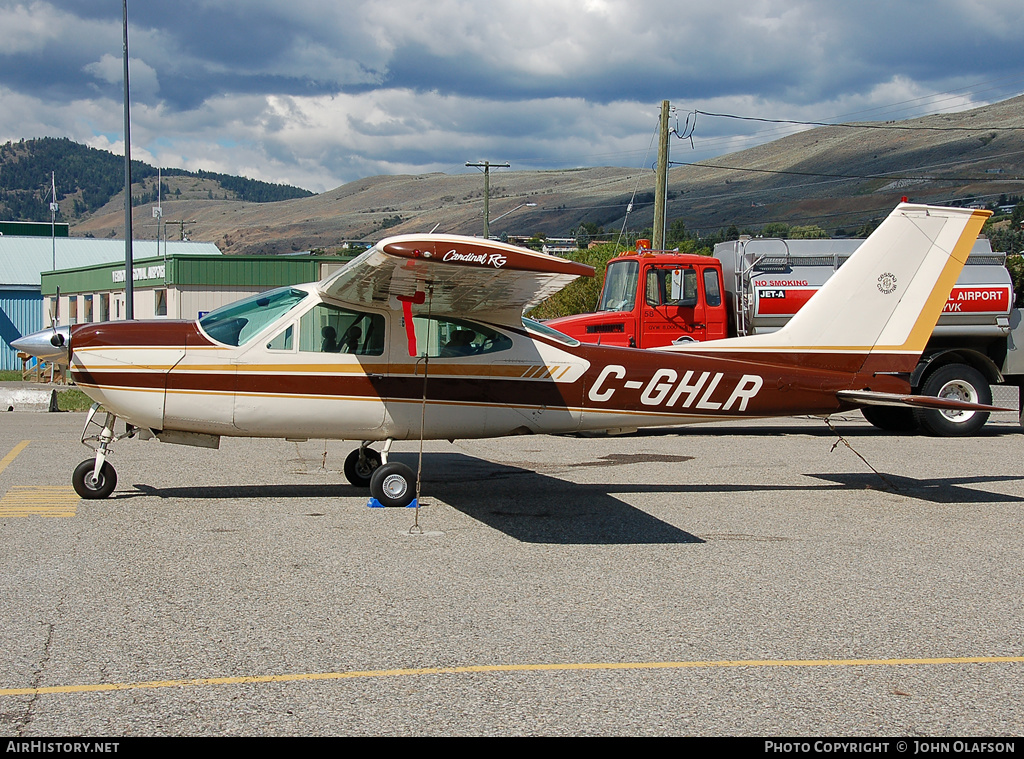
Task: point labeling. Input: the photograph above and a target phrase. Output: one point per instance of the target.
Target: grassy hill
(838, 178)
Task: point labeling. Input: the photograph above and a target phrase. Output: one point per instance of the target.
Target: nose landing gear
(95, 477)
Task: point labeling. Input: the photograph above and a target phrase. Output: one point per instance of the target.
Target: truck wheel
(890, 418)
(962, 383)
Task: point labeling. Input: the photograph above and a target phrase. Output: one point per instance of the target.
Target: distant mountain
(840, 178)
(87, 179)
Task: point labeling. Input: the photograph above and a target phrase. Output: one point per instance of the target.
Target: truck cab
(651, 299)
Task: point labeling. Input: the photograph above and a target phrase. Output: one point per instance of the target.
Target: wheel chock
(373, 503)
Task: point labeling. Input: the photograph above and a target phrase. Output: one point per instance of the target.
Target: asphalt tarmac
(755, 579)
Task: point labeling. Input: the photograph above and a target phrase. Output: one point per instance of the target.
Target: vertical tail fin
(889, 294)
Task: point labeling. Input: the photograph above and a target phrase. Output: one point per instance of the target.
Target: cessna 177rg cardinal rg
(423, 335)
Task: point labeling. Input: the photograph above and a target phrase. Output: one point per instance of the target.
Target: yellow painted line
(501, 668)
(46, 502)
(13, 454)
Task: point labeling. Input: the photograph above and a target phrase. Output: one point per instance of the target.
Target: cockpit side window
(283, 341)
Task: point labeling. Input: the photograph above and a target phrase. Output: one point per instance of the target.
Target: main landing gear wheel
(393, 485)
(956, 382)
(89, 487)
(360, 466)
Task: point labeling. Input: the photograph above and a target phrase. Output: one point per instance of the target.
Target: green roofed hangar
(179, 285)
(172, 279)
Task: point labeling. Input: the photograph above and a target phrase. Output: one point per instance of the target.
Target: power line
(847, 125)
(893, 177)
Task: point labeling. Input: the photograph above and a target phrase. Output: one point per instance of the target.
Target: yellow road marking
(13, 454)
(494, 668)
(31, 501)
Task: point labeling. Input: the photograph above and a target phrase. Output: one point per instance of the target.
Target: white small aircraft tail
(889, 294)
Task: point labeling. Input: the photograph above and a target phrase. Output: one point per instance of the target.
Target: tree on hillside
(1009, 239)
(586, 232)
(93, 177)
(581, 295)
(775, 229)
(810, 232)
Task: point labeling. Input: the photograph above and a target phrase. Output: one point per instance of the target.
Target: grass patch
(10, 375)
(73, 399)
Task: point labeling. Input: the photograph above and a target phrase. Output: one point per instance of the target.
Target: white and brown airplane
(423, 337)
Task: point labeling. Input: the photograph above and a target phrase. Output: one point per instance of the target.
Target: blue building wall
(21, 313)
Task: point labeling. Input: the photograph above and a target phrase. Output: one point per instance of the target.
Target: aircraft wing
(458, 275)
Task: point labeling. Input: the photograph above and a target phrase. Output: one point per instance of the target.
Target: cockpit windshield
(619, 292)
(239, 322)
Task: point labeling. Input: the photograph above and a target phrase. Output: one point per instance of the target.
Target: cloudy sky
(317, 93)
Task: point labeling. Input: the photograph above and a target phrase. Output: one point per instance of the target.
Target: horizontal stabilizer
(872, 398)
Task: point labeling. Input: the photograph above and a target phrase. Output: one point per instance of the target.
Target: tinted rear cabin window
(453, 338)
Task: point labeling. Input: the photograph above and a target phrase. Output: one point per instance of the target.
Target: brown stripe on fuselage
(784, 389)
(791, 381)
(488, 390)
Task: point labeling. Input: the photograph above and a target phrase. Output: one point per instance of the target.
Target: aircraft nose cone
(47, 344)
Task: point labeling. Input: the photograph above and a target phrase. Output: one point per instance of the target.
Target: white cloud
(317, 93)
(26, 28)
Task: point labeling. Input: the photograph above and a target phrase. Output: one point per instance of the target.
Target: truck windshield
(237, 323)
(619, 292)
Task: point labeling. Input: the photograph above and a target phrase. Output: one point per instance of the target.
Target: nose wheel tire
(393, 484)
(358, 471)
(88, 487)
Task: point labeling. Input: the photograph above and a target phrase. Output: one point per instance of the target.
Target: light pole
(129, 279)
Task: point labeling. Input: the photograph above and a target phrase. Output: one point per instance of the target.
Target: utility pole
(181, 225)
(486, 166)
(661, 180)
(53, 218)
